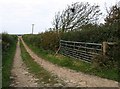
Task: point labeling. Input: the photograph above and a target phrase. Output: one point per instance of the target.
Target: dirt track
(20, 76)
(72, 78)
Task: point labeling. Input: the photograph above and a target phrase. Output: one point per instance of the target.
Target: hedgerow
(48, 40)
(8, 52)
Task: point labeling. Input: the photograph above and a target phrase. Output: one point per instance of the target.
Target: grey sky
(16, 16)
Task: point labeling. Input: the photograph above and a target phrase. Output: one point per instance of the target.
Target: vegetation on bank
(8, 52)
(45, 78)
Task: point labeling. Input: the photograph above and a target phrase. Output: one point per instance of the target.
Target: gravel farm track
(71, 78)
(20, 76)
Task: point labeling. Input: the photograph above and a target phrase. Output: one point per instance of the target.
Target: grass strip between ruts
(44, 76)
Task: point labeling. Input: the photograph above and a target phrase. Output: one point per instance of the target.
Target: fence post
(104, 47)
(58, 48)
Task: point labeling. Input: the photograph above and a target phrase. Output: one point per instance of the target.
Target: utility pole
(32, 28)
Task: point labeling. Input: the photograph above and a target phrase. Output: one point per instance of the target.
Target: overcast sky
(17, 16)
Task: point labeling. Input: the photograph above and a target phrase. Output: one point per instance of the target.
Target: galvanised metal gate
(80, 50)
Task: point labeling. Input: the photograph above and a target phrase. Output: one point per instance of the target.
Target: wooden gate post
(104, 47)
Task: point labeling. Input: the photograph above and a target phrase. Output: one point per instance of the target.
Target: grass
(36, 69)
(74, 64)
(0, 64)
(7, 60)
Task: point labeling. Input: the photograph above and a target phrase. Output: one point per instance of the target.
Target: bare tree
(56, 21)
(113, 15)
(75, 16)
(112, 19)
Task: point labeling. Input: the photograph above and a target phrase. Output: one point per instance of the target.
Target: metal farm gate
(80, 50)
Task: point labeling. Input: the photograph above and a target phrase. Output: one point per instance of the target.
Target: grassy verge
(74, 64)
(43, 75)
(7, 60)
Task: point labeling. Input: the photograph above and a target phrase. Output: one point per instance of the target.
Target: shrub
(96, 34)
(110, 60)
(7, 41)
(100, 61)
(48, 40)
